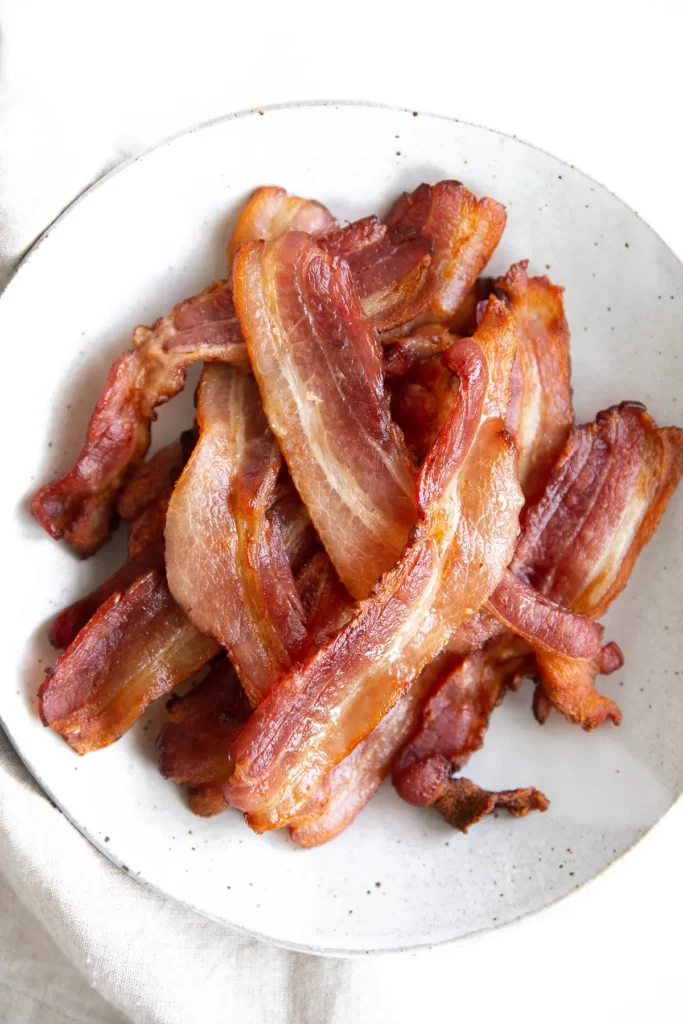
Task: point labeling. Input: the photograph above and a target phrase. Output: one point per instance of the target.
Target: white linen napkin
(83, 86)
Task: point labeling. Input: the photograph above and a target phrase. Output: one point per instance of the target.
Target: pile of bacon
(384, 519)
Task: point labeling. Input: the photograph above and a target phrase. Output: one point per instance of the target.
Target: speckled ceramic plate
(152, 233)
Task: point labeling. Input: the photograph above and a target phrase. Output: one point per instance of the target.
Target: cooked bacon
(136, 647)
(326, 602)
(456, 714)
(540, 414)
(405, 354)
(71, 620)
(319, 368)
(464, 232)
(345, 790)
(80, 505)
(421, 402)
(289, 513)
(225, 558)
(154, 477)
(195, 742)
(459, 801)
(390, 268)
(148, 528)
(468, 500)
(270, 213)
(467, 316)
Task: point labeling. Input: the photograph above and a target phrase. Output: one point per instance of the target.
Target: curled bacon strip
(464, 232)
(80, 505)
(195, 742)
(225, 558)
(137, 647)
(154, 477)
(291, 517)
(422, 400)
(540, 414)
(468, 500)
(390, 268)
(345, 790)
(270, 213)
(405, 354)
(319, 370)
(459, 801)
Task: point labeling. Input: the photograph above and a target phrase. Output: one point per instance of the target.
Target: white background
(85, 85)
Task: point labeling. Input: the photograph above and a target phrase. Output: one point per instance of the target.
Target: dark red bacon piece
(80, 505)
(154, 477)
(464, 231)
(468, 500)
(460, 802)
(225, 558)
(138, 646)
(319, 369)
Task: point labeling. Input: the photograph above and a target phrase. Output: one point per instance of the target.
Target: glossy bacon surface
(469, 500)
(80, 505)
(390, 268)
(137, 647)
(270, 213)
(464, 231)
(319, 370)
(540, 414)
(225, 558)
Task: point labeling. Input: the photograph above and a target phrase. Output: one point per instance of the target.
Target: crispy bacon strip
(421, 402)
(469, 500)
(345, 790)
(405, 354)
(291, 517)
(270, 213)
(225, 558)
(390, 268)
(149, 527)
(319, 370)
(80, 505)
(540, 414)
(154, 477)
(459, 801)
(136, 647)
(326, 602)
(195, 742)
(464, 232)
(602, 504)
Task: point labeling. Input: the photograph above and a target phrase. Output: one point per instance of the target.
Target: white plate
(153, 233)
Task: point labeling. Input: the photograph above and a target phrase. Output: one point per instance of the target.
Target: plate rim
(322, 951)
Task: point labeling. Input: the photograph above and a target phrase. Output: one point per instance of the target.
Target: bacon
(138, 646)
(459, 801)
(390, 268)
(456, 714)
(422, 401)
(80, 505)
(71, 620)
(405, 354)
(540, 414)
(149, 527)
(291, 517)
(225, 559)
(154, 477)
(270, 213)
(345, 790)
(464, 232)
(468, 501)
(325, 600)
(319, 369)
(195, 742)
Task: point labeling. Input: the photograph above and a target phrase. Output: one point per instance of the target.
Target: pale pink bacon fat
(319, 369)
(469, 500)
(80, 505)
(225, 558)
(464, 231)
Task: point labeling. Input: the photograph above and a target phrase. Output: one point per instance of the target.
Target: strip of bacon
(459, 801)
(80, 505)
(225, 559)
(345, 790)
(540, 414)
(289, 513)
(464, 232)
(405, 354)
(319, 369)
(421, 402)
(154, 477)
(270, 213)
(137, 647)
(195, 742)
(468, 500)
(390, 268)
